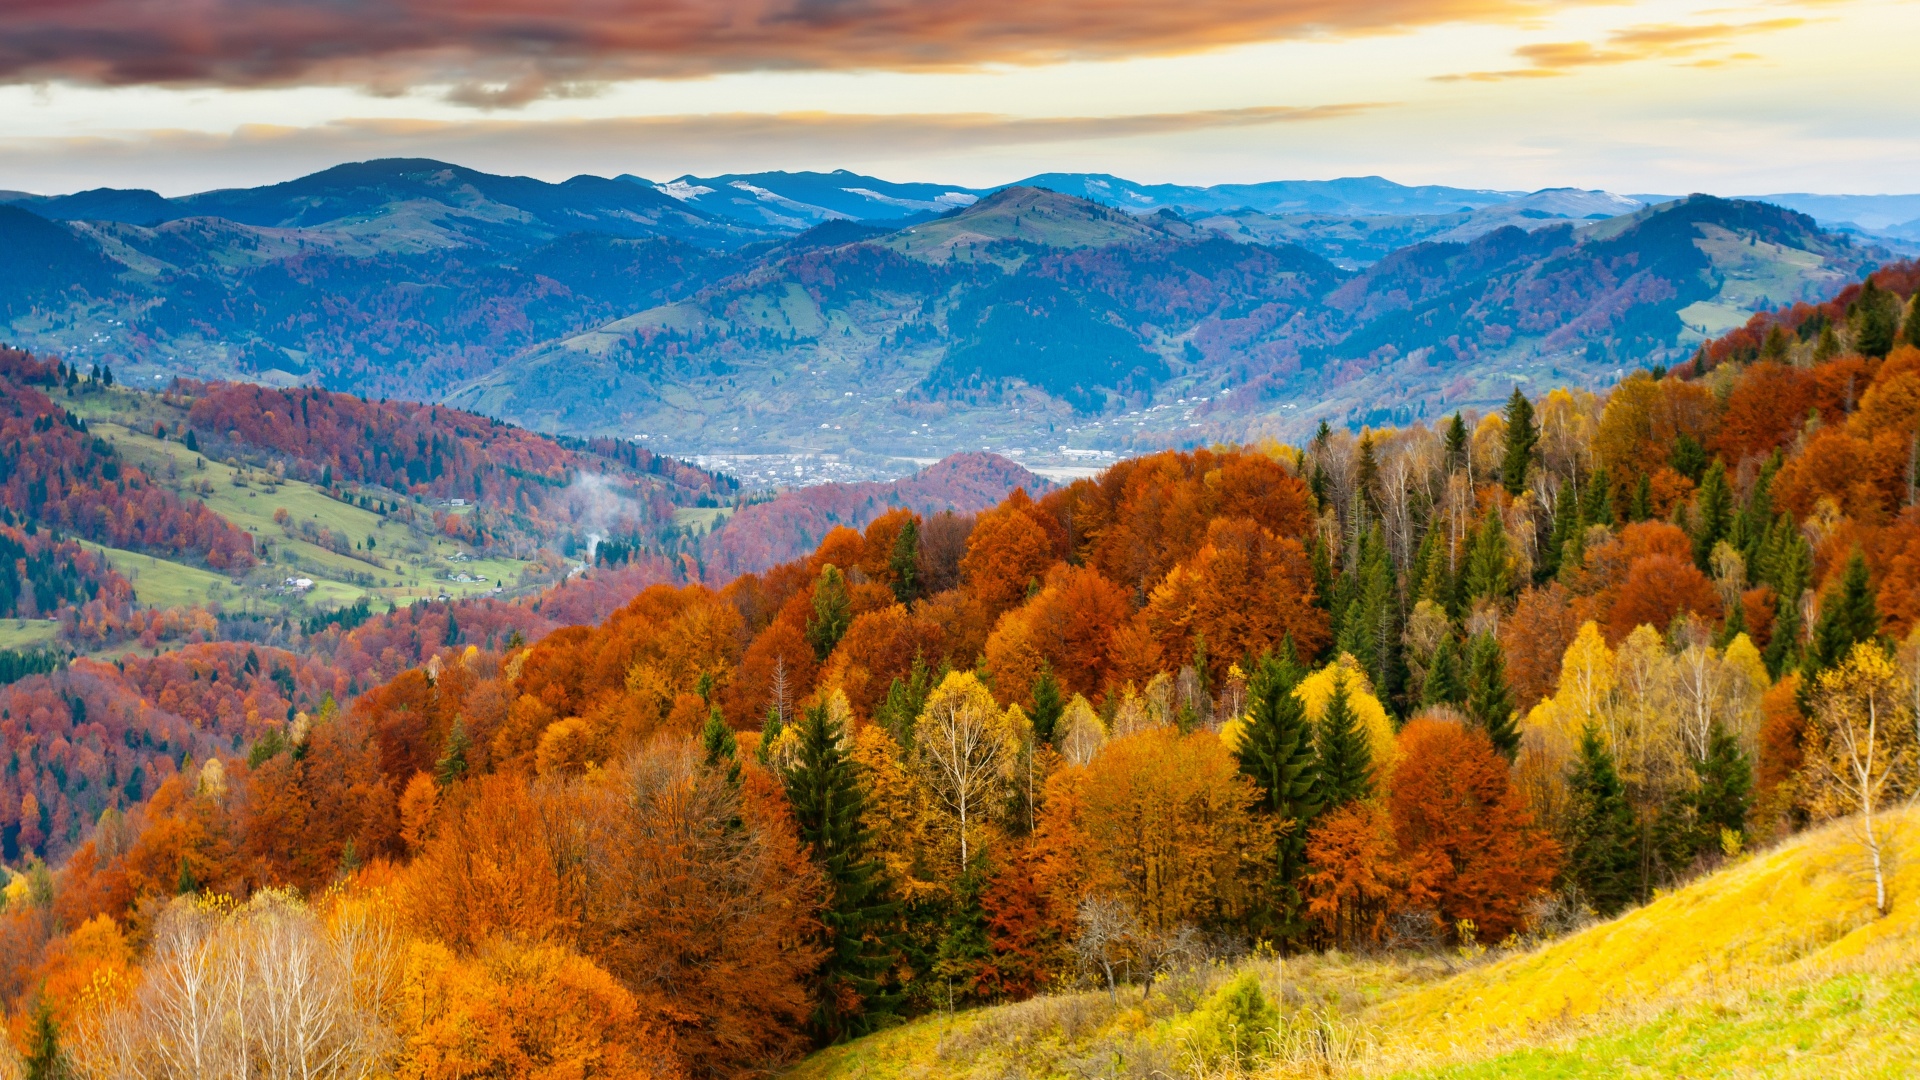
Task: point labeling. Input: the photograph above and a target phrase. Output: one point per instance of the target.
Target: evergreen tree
(1445, 683)
(905, 562)
(1774, 349)
(722, 749)
(1566, 523)
(1725, 792)
(1876, 320)
(832, 612)
(1829, 344)
(1602, 836)
(770, 733)
(1642, 507)
(827, 793)
(452, 636)
(1688, 457)
(1715, 505)
(1367, 476)
(1849, 615)
(1366, 612)
(1047, 706)
(1345, 755)
(1456, 443)
(1488, 573)
(45, 1059)
(1276, 752)
(1912, 332)
(905, 698)
(193, 444)
(1429, 573)
(1489, 699)
(1321, 563)
(1521, 437)
(1599, 506)
(452, 765)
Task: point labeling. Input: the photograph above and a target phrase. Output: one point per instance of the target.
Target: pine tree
(1488, 575)
(1725, 791)
(1602, 836)
(1521, 437)
(452, 636)
(905, 698)
(1642, 506)
(1345, 756)
(452, 765)
(905, 562)
(722, 749)
(832, 612)
(1047, 706)
(1489, 699)
(826, 790)
(1367, 476)
(1829, 344)
(1715, 504)
(1566, 524)
(1276, 752)
(1364, 612)
(1456, 443)
(1445, 683)
(1774, 349)
(1599, 506)
(1321, 563)
(1876, 319)
(1849, 615)
(1912, 332)
(45, 1059)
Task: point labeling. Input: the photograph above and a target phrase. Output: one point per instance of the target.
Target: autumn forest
(1395, 691)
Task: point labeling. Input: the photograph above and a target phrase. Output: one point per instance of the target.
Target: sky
(1649, 97)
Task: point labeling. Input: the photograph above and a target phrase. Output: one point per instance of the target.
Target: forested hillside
(1424, 689)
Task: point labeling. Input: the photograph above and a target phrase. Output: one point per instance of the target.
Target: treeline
(54, 472)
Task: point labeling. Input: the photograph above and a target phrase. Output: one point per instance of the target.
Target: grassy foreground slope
(1774, 966)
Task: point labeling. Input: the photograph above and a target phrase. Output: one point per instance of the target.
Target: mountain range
(1061, 320)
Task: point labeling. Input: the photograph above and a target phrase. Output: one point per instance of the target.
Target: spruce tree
(722, 749)
(827, 793)
(1725, 791)
(1446, 685)
(1276, 752)
(1599, 505)
(1366, 479)
(1876, 320)
(905, 562)
(1345, 755)
(1489, 699)
(45, 1059)
(1566, 522)
(1488, 575)
(1602, 836)
(1365, 613)
(1849, 615)
(1715, 505)
(832, 612)
(1642, 506)
(1521, 437)
(1321, 563)
(1456, 443)
(452, 765)
(1047, 706)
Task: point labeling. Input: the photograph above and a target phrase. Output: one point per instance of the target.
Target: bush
(1237, 1027)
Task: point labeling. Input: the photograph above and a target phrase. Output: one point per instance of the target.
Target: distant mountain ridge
(1026, 320)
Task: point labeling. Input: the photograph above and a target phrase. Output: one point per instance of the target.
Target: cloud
(504, 52)
(1657, 41)
(178, 160)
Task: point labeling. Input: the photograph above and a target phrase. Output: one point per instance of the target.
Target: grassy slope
(26, 635)
(1775, 966)
(413, 563)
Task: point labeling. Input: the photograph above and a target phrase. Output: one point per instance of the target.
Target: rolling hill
(1773, 966)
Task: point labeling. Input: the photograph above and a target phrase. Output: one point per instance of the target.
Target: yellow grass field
(1776, 965)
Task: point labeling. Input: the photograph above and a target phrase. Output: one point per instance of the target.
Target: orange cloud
(1657, 41)
(501, 52)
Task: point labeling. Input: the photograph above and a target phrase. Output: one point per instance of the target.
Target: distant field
(162, 583)
(407, 564)
(25, 635)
